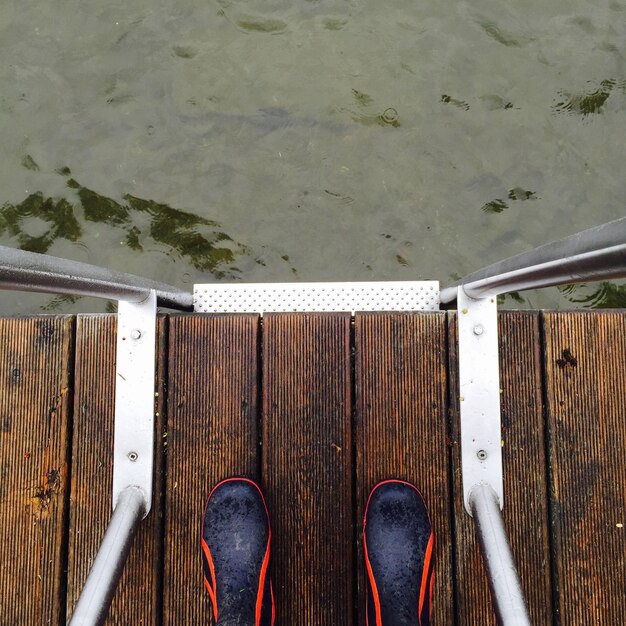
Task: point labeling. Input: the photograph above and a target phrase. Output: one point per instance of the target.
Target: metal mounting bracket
(133, 450)
(479, 389)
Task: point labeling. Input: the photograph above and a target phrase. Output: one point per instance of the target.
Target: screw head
(478, 329)
(135, 334)
(132, 456)
(482, 455)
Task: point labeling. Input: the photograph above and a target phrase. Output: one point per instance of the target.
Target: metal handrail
(134, 398)
(595, 254)
(598, 253)
(504, 583)
(93, 604)
(29, 271)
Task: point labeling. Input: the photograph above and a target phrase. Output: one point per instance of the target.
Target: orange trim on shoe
(426, 573)
(261, 589)
(207, 585)
(211, 589)
(374, 588)
(432, 583)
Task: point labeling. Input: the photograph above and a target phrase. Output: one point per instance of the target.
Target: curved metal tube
(504, 583)
(595, 254)
(29, 271)
(94, 601)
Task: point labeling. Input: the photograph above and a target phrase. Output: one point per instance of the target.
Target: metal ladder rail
(133, 453)
(598, 253)
(595, 254)
(30, 271)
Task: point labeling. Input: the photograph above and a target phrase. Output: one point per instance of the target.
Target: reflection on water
(261, 25)
(517, 193)
(461, 104)
(369, 113)
(65, 301)
(604, 295)
(590, 101)
(499, 34)
(272, 140)
(512, 297)
(37, 222)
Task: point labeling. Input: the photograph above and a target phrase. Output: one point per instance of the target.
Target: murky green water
(259, 140)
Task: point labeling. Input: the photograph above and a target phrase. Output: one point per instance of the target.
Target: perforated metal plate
(285, 297)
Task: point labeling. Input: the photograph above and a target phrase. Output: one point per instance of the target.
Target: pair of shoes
(397, 542)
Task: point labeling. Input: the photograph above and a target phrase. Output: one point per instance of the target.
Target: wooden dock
(318, 408)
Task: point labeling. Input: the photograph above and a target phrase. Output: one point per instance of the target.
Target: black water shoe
(399, 556)
(235, 544)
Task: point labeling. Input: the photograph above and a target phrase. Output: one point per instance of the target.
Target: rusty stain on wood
(586, 403)
(35, 380)
(307, 465)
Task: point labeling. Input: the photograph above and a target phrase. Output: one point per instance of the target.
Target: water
(258, 140)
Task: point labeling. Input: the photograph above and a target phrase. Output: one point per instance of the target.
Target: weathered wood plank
(585, 378)
(307, 466)
(211, 434)
(525, 482)
(136, 597)
(401, 426)
(35, 380)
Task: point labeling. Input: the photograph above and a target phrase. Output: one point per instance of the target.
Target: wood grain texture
(136, 598)
(211, 434)
(585, 378)
(307, 466)
(56, 411)
(525, 480)
(401, 426)
(35, 380)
